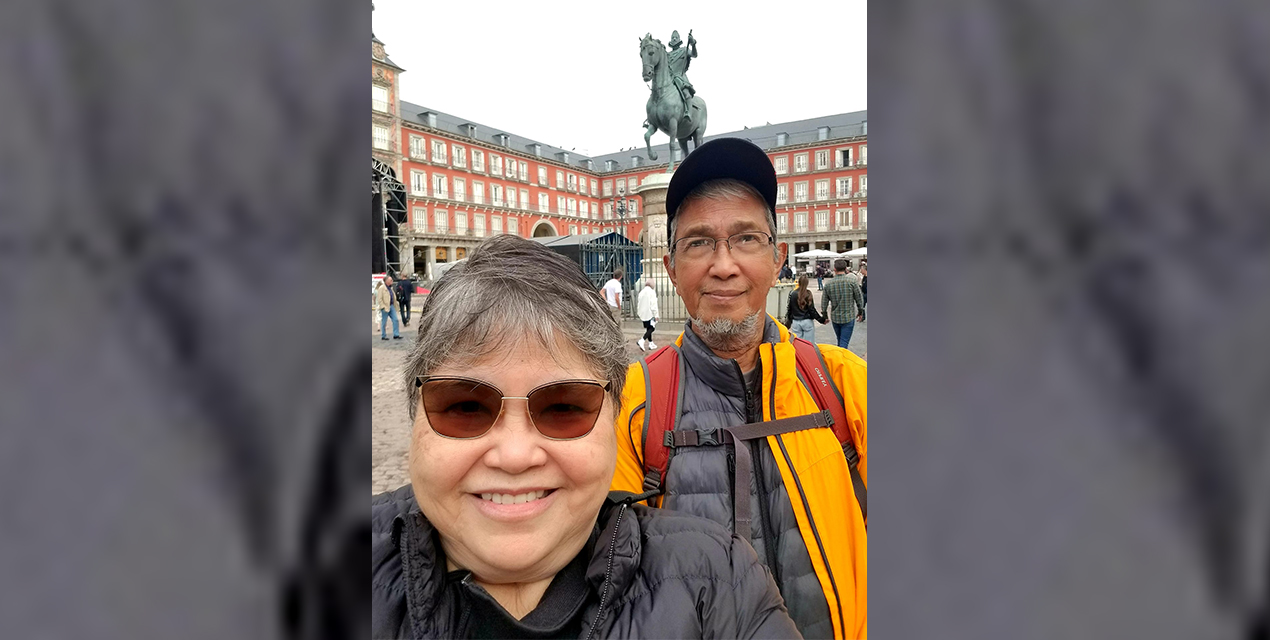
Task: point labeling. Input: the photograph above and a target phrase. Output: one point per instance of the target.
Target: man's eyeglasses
(463, 408)
(746, 243)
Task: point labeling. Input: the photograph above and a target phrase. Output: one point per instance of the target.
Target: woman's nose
(517, 446)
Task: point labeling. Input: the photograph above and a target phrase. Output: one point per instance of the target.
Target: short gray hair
(511, 289)
(723, 189)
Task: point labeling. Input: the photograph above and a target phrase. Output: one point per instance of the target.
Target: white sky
(570, 76)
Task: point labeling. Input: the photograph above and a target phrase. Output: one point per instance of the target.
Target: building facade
(465, 180)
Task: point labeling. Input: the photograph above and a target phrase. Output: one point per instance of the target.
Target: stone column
(653, 192)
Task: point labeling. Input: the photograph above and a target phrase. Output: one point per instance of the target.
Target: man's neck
(746, 356)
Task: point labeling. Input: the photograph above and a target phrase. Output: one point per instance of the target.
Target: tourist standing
(844, 296)
(613, 295)
(648, 313)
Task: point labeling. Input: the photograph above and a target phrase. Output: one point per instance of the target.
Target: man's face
(724, 284)
(388, 280)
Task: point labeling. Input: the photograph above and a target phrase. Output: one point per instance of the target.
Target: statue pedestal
(653, 192)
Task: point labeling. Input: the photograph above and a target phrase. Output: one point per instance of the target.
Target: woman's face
(453, 479)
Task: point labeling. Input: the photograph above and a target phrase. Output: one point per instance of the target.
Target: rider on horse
(678, 60)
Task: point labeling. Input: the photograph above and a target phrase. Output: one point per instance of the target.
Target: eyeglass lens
(461, 408)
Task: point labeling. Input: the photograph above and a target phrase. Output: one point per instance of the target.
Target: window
(864, 185)
(511, 169)
(573, 229)
(478, 160)
(608, 211)
(782, 223)
(523, 170)
(542, 175)
(595, 210)
(513, 226)
(524, 198)
(573, 182)
(478, 224)
(864, 217)
(460, 156)
(782, 193)
(822, 159)
(800, 192)
(418, 183)
(416, 147)
(822, 189)
(844, 187)
(573, 207)
(584, 209)
(822, 221)
(460, 223)
(478, 193)
(496, 193)
(439, 187)
(441, 221)
(631, 184)
(582, 185)
(495, 225)
(608, 188)
(632, 206)
(438, 151)
(844, 158)
(511, 197)
(419, 219)
(543, 204)
(379, 98)
(379, 136)
(495, 164)
(800, 222)
(843, 219)
(782, 165)
(559, 179)
(864, 154)
(800, 163)
(560, 205)
(460, 189)
(595, 187)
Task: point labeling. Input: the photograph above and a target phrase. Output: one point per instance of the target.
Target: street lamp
(619, 206)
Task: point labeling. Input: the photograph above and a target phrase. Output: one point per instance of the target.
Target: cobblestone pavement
(390, 422)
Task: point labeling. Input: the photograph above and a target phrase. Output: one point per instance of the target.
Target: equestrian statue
(674, 108)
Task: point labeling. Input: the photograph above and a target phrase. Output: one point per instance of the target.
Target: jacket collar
(718, 373)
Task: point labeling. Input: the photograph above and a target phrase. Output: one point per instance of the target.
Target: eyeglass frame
(606, 385)
(771, 241)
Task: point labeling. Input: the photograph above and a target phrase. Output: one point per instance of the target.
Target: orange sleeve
(629, 474)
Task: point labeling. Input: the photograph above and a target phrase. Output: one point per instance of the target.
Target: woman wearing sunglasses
(507, 529)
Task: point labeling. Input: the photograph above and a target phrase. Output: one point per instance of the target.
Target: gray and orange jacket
(809, 528)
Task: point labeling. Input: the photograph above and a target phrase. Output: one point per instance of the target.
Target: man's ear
(670, 270)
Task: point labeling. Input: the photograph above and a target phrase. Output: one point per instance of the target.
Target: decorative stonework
(382, 76)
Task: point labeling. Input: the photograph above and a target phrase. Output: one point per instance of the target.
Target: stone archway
(544, 229)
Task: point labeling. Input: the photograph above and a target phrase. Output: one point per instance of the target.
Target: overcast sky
(570, 75)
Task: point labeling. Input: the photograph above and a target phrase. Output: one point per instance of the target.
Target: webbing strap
(857, 483)
(745, 466)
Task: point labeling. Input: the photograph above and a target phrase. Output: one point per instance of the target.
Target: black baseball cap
(722, 158)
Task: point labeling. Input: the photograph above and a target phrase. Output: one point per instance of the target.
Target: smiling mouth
(517, 498)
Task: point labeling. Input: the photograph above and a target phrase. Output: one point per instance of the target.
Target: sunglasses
(463, 408)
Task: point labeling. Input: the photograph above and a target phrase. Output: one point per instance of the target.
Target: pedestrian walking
(864, 283)
(405, 290)
(388, 308)
(843, 295)
(613, 295)
(800, 313)
(820, 277)
(648, 313)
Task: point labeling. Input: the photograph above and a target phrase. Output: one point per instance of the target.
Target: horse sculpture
(665, 106)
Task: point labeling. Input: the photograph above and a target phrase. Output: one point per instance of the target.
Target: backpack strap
(662, 393)
(812, 367)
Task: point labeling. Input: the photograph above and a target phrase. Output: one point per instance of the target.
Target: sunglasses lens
(566, 410)
(460, 408)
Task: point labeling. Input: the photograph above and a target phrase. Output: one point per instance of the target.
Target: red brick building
(466, 180)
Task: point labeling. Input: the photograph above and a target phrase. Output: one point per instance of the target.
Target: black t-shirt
(558, 614)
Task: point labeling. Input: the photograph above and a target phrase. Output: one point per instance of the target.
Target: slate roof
(843, 125)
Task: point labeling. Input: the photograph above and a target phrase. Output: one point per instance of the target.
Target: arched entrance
(544, 229)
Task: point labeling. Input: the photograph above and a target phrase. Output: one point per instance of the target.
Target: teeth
(507, 498)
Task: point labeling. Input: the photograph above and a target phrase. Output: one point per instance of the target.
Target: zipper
(608, 575)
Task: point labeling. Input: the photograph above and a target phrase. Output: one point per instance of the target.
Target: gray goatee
(722, 334)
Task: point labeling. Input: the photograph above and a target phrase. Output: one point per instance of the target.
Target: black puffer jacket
(657, 573)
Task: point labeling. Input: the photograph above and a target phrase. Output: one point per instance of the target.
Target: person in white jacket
(646, 306)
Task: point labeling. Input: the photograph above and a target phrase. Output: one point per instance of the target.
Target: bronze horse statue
(665, 106)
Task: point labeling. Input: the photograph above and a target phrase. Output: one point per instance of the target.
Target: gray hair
(723, 189)
(512, 289)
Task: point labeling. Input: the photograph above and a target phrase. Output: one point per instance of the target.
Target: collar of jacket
(719, 373)
(616, 557)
